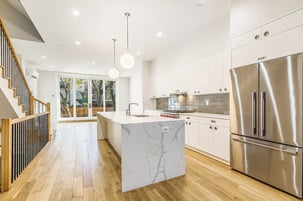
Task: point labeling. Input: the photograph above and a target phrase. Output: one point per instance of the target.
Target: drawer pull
(212, 121)
(210, 127)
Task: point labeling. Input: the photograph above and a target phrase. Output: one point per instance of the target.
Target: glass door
(66, 97)
(82, 98)
(97, 97)
(81, 86)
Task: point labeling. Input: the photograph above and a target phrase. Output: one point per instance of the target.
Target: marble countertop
(121, 118)
(208, 115)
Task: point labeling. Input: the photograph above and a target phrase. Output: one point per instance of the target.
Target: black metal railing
(13, 70)
(28, 138)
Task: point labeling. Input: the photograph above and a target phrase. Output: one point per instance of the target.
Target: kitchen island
(151, 147)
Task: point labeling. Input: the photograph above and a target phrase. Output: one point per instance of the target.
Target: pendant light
(113, 73)
(127, 60)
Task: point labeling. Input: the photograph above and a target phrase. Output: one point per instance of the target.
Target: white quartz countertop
(208, 115)
(121, 118)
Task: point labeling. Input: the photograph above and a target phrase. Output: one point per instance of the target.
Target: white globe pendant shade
(127, 61)
(113, 73)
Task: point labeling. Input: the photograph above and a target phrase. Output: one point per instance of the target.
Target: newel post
(49, 120)
(31, 104)
(6, 159)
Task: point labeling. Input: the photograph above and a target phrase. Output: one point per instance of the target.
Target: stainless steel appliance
(174, 113)
(266, 122)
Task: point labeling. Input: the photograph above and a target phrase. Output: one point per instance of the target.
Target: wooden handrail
(14, 121)
(15, 56)
(40, 101)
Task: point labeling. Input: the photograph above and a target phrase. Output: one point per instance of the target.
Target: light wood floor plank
(75, 166)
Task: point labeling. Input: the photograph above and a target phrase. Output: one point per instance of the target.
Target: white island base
(151, 148)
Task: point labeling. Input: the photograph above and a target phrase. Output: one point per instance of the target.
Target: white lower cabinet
(208, 135)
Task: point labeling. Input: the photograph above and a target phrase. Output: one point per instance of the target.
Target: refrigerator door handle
(254, 112)
(263, 113)
(293, 151)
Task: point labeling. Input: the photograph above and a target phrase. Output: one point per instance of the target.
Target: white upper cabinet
(216, 73)
(197, 77)
(226, 68)
(278, 38)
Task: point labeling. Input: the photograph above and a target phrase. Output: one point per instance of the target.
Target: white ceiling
(101, 20)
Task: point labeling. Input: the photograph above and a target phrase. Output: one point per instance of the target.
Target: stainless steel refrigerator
(266, 122)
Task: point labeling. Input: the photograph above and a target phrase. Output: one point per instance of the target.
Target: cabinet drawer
(283, 24)
(246, 38)
(215, 121)
(191, 118)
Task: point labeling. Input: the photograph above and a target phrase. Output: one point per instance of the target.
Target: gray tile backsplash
(213, 103)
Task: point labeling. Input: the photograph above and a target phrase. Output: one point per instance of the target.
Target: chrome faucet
(128, 113)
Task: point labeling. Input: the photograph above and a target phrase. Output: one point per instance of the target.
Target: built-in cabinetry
(277, 38)
(208, 133)
(209, 75)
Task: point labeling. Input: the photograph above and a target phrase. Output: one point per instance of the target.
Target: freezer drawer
(272, 163)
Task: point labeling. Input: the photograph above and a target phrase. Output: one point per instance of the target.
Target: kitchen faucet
(128, 113)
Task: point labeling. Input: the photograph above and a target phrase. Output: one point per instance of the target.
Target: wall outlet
(165, 129)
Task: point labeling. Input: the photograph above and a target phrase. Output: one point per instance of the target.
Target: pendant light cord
(127, 15)
(114, 42)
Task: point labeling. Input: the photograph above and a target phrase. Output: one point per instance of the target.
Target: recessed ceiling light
(159, 34)
(76, 12)
(43, 57)
(138, 53)
(51, 66)
(77, 42)
(93, 63)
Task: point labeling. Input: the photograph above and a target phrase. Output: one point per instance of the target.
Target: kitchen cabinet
(197, 77)
(275, 39)
(214, 137)
(208, 135)
(192, 131)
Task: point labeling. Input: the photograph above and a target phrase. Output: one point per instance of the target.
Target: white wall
(249, 14)
(47, 92)
(148, 103)
(136, 89)
(123, 91)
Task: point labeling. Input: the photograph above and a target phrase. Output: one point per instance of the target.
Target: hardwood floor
(75, 166)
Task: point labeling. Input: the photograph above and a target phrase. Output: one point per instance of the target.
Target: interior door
(243, 100)
(281, 100)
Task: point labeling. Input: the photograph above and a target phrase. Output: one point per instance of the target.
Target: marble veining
(155, 155)
(151, 148)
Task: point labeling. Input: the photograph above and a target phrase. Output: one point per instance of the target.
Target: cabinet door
(206, 138)
(187, 131)
(193, 133)
(245, 39)
(221, 142)
(197, 77)
(226, 68)
(216, 73)
(161, 86)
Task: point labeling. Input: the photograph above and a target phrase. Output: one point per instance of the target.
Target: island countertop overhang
(121, 118)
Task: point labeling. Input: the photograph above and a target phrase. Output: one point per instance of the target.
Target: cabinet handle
(186, 123)
(220, 89)
(257, 37)
(198, 92)
(225, 89)
(194, 92)
(216, 128)
(187, 117)
(189, 123)
(261, 58)
(210, 127)
(212, 121)
(266, 33)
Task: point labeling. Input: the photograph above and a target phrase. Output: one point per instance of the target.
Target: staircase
(11, 106)
(24, 119)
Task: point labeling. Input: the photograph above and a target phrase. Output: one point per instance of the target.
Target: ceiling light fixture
(43, 57)
(138, 53)
(75, 12)
(159, 34)
(113, 73)
(93, 63)
(127, 60)
(77, 42)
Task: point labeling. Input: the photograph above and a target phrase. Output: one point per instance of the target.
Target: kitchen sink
(140, 115)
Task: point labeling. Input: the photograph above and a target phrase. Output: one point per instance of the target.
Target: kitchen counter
(151, 148)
